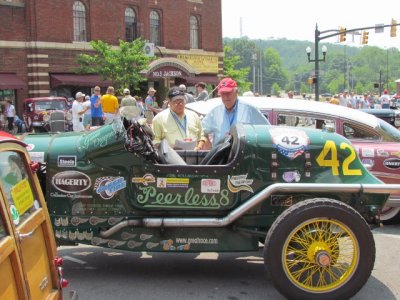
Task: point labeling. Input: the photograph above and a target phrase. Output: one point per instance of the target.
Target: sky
(296, 20)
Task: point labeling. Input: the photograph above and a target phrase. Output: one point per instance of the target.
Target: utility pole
(254, 58)
(260, 87)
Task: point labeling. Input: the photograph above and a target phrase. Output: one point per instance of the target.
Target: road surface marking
(78, 261)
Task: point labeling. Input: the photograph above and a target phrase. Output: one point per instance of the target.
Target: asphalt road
(97, 273)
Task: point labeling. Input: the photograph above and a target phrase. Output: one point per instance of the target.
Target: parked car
(47, 114)
(392, 116)
(377, 142)
(396, 103)
(301, 191)
(29, 266)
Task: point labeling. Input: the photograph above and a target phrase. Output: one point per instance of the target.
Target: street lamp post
(316, 60)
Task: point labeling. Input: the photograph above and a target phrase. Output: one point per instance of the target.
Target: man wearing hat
(202, 93)
(128, 100)
(178, 125)
(385, 99)
(232, 111)
(189, 97)
(150, 105)
(77, 112)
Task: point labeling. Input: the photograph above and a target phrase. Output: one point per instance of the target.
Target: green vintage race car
(302, 192)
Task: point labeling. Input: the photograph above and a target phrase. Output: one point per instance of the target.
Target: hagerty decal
(392, 163)
(106, 187)
(289, 142)
(239, 183)
(71, 182)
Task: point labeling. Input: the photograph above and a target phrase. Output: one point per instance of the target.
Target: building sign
(202, 63)
(166, 72)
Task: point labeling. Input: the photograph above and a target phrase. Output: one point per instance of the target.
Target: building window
(194, 32)
(130, 25)
(155, 28)
(79, 15)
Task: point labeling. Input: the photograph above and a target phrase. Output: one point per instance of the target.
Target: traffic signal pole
(331, 33)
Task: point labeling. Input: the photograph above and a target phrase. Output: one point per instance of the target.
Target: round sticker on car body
(290, 142)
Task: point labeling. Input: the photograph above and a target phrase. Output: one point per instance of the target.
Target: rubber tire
(306, 210)
(394, 216)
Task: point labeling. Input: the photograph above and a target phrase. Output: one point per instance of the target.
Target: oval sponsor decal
(71, 181)
(392, 163)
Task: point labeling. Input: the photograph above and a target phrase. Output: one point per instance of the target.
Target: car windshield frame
(45, 105)
(389, 132)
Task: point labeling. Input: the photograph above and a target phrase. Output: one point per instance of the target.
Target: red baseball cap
(226, 85)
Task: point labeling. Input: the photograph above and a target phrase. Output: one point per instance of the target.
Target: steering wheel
(139, 140)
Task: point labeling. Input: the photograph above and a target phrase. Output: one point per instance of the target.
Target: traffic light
(393, 28)
(342, 36)
(312, 80)
(365, 37)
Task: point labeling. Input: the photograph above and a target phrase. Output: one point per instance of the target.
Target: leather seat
(168, 155)
(219, 154)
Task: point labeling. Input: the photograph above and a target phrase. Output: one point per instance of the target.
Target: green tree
(121, 65)
(231, 70)
(273, 70)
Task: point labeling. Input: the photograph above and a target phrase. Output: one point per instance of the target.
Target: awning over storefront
(11, 82)
(77, 80)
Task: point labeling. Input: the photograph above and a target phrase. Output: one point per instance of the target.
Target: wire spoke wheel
(319, 249)
(320, 255)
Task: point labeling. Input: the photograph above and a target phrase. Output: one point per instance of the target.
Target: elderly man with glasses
(180, 127)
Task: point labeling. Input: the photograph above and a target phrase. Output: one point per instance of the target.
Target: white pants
(110, 117)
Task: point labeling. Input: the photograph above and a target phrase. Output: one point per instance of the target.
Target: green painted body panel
(93, 183)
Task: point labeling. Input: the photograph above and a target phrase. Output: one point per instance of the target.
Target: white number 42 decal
(324, 161)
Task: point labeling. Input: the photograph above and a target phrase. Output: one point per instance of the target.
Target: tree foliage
(231, 69)
(121, 65)
(284, 62)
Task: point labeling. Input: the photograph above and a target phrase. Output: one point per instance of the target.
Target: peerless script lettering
(150, 198)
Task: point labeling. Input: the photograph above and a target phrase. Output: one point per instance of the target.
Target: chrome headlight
(68, 116)
(46, 118)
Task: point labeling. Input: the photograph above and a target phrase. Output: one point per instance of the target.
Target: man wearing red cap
(217, 123)
(385, 99)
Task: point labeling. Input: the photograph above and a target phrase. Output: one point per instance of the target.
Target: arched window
(130, 24)
(194, 32)
(79, 16)
(155, 28)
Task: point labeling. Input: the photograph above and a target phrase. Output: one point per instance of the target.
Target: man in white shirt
(385, 99)
(9, 112)
(77, 112)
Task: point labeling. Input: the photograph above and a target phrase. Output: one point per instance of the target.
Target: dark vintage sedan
(392, 116)
(376, 141)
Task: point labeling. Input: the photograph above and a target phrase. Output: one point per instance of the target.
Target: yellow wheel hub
(320, 255)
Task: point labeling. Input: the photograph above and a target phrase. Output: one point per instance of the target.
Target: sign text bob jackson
(202, 63)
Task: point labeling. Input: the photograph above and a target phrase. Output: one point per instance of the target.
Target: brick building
(40, 39)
